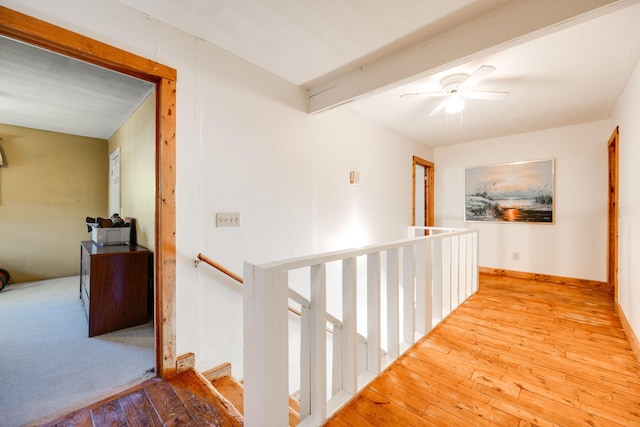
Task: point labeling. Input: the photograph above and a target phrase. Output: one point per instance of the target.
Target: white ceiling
(562, 62)
(43, 90)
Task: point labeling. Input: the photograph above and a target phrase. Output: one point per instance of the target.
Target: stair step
(294, 404)
(294, 411)
(233, 391)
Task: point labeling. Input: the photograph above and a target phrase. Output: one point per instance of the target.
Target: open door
(612, 243)
(423, 193)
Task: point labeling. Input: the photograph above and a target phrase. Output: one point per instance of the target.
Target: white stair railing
(406, 288)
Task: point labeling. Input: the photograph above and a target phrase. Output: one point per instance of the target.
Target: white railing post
(393, 303)
(428, 288)
(337, 363)
(421, 295)
(447, 289)
(374, 360)
(408, 277)
(476, 260)
(436, 275)
(318, 298)
(454, 250)
(266, 334)
(462, 266)
(305, 362)
(349, 326)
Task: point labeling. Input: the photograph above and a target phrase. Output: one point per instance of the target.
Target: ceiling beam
(515, 23)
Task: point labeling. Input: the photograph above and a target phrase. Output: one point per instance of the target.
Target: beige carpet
(48, 365)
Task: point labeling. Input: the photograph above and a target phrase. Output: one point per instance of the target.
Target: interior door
(612, 244)
(423, 193)
(114, 182)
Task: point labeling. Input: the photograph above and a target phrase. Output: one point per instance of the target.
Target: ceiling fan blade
(438, 108)
(489, 96)
(478, 75)
(422, 94)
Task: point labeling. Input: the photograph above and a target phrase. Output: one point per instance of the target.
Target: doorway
(114, 182)
(33, 31)
(612, 239)
(423, 194)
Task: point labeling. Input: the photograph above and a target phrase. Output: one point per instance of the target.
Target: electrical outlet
(227, 219)
(516, 256)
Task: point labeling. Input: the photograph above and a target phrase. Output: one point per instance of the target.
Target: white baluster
(393, 304)
(436, 275)
(349, 325)
(428, 288)
(318, 298)
(305, 363)
(421, 296)
(374, 362)
(408, 277)
(337, 353)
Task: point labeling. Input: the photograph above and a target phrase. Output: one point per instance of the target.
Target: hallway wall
(246, 144)
(626, 116)
(575, 244)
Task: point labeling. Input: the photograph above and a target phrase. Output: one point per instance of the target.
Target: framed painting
(510, 192)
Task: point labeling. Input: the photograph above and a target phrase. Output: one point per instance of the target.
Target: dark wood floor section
(517, 353)
(184, 400)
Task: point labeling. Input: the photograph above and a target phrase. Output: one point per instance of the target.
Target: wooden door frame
(612, 217)
(429, 191)
(33, 31)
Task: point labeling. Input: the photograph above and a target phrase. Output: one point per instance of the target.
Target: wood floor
(518, 353)
(183, 400)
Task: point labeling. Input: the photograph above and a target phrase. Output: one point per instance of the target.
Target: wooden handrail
(239, 279)
(217, 266)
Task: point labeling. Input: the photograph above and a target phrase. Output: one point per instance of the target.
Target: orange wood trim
(612, 216)
(39, 33)
(48, 36)
(602, 286)
(166, 227)
(429, 188)
(631, 336)
(217, 266)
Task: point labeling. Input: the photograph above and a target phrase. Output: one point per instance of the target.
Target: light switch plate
(227, 219)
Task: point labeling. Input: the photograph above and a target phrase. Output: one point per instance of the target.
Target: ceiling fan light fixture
(454, 104)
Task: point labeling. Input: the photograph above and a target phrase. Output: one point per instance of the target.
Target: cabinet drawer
(85, 286)
(85, 301)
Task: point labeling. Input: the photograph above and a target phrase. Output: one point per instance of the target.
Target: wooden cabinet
(114, 286)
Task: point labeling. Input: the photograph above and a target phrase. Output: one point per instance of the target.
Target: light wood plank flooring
(517, 353)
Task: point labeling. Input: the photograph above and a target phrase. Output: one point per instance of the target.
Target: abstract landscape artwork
(511, 192)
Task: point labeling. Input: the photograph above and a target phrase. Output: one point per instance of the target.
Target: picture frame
(511, 192)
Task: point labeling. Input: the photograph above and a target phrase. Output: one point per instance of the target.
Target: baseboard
(631, 336)
(593, 284)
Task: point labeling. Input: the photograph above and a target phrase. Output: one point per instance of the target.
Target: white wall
(575, 245)
(245, 145)
(626, 116)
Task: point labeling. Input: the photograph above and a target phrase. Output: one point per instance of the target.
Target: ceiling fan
(457, 87)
